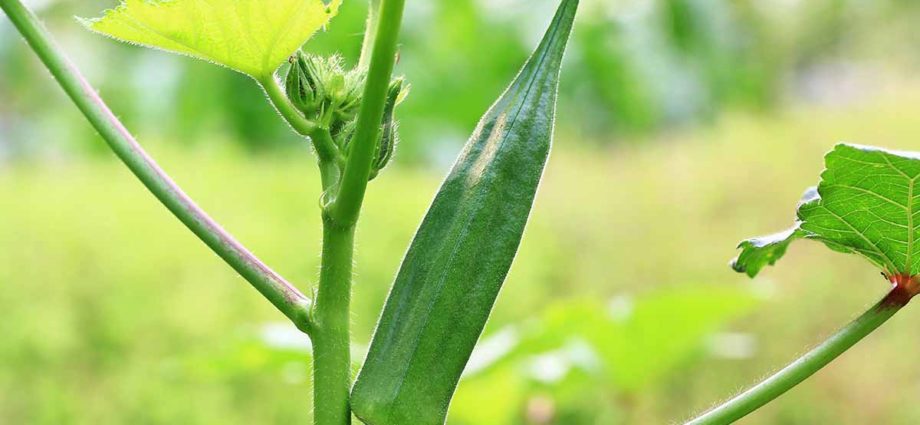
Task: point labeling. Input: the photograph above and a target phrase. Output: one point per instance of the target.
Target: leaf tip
(86, 22)
(757, 253)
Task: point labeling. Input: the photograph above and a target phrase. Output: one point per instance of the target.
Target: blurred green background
(684, 126)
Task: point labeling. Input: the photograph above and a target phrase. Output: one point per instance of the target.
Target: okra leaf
(250, 36)
(867, 203)
(461, 253)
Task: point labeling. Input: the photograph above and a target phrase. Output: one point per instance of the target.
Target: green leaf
(756, 253)
(250, 36)
(866, 204)
(463, 249)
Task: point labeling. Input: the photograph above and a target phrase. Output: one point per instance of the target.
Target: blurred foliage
(625, 244)
(635, 67)
(580, 353)
(628, 237)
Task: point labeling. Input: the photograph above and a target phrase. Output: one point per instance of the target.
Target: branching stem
(328, 321)
(294, 118)
(330, 158)
(802, 368)
(278, 291)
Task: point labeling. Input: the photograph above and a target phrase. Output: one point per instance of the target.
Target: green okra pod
(458, 260)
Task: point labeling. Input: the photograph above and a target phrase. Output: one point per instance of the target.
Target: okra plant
(456, 264)
(460, 255)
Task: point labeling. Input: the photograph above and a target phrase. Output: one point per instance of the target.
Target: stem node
(904, 287)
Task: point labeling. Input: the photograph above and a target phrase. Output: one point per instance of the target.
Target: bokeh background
(684, 126)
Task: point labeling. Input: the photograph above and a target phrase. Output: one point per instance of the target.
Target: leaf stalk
(904, 288)
(282, 104)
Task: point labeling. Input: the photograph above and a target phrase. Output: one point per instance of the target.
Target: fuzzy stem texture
(331, 337)
(331, 334)
(756, 397)
(353, 186)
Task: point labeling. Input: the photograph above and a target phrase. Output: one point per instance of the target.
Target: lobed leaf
(458, 260)
(251, 36)
(866, 203)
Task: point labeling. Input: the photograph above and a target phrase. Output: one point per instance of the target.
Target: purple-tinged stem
(278, 291)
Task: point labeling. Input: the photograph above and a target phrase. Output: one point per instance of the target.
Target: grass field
(113, 313)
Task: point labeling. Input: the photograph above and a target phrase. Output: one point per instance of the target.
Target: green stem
(278, 291)
(373, 10)
(276, 95)
(330, 159)
(808, 364)
(331, 335)
(357, 168)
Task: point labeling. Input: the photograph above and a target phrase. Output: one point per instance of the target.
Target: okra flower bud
(330, 96)
(389, 127)
(304, 84)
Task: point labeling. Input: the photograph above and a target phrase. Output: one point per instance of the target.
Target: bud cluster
(329, 95)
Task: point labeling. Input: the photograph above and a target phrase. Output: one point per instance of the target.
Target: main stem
(331, 336)
(796, 372)
(350, 197)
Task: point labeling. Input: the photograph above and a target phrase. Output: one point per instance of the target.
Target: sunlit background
(684, 126)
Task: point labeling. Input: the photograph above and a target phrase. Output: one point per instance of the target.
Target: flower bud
(303, 85)
(349, 102)
(342, 131)
(389, 127)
